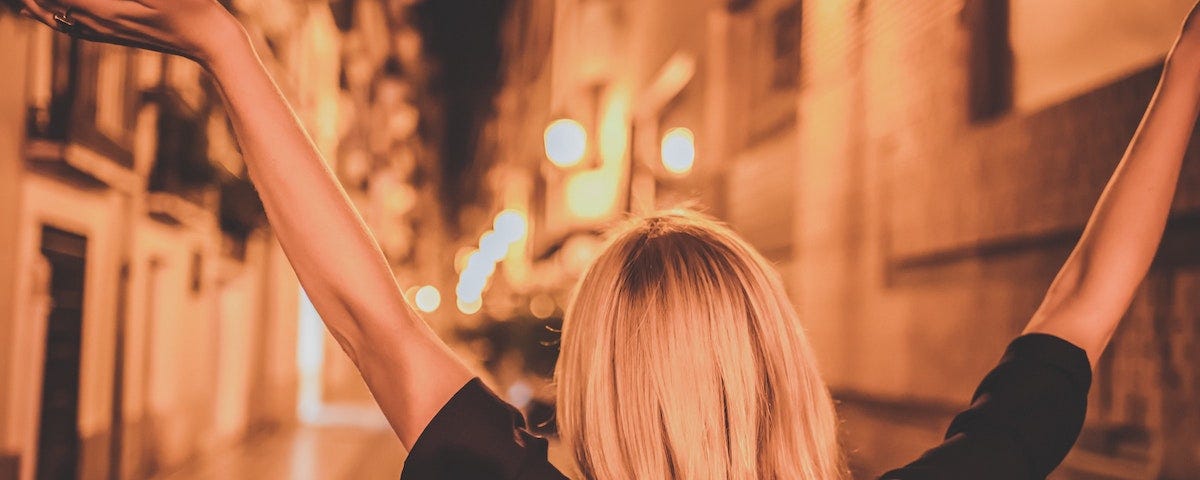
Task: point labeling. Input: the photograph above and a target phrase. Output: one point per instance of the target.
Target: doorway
(58, 435)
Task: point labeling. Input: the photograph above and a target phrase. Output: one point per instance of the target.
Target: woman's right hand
(197, 29)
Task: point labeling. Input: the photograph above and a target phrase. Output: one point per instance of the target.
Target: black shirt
(1023, 419)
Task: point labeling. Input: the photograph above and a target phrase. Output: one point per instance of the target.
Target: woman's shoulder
(1024, 417)
(477, 435)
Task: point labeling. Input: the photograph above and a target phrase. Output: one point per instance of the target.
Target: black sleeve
(476, 435)
(1024, 417)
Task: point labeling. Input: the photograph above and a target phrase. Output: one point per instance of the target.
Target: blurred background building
(918, 171)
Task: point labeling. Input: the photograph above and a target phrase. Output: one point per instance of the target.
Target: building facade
(149, 316)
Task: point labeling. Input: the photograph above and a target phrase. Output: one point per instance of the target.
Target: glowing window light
(470, 307)
(591, 194)
(678, 150)
(428, 299)
(511, 225)
(566, 142)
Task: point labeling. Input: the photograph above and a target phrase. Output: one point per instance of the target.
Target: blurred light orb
(479, 266)
(428, 299)
(410, 293)
(679, 150)
(469, 290)
(591, 194)
(492, 246)
(470, 307)
(542, 306)
(566, 142)
(401, 199)
(511, 225)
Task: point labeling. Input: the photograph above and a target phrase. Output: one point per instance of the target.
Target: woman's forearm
(322, 235)
(409, 370)
(1100, 278)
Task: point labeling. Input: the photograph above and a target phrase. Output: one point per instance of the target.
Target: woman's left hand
(195, 29)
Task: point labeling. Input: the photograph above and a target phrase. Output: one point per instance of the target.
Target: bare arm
(408, 369)
(1093, 290)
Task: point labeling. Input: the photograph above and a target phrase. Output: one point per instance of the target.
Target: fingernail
(25, 12)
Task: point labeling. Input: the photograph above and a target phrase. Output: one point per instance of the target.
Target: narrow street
(911, 185)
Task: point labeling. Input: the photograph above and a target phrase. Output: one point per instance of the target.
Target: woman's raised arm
(1096, 285)
(408, 369)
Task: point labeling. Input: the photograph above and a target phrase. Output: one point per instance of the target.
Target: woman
(681, 356)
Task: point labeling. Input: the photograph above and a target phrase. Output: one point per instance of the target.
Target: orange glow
(566, 142)
(428, 299)
(614, 128)
(679, 150)
(592, 194)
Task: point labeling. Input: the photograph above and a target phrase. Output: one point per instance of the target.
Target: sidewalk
(305, 453)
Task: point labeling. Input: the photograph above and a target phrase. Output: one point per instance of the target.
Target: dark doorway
(58, 435)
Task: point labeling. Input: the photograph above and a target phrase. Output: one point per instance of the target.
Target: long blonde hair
(682, 357)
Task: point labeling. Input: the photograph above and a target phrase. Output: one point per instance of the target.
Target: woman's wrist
(226, 41)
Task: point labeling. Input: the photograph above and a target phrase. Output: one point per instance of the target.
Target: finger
(35, 11)
(50, 6)
(93, 29)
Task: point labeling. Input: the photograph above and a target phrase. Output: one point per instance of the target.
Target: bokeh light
(566, 142)
(511, 225)
(428, 299)
(679, 150)
(492, 246)
(542, 306)
(410, 293)
(470, 307)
